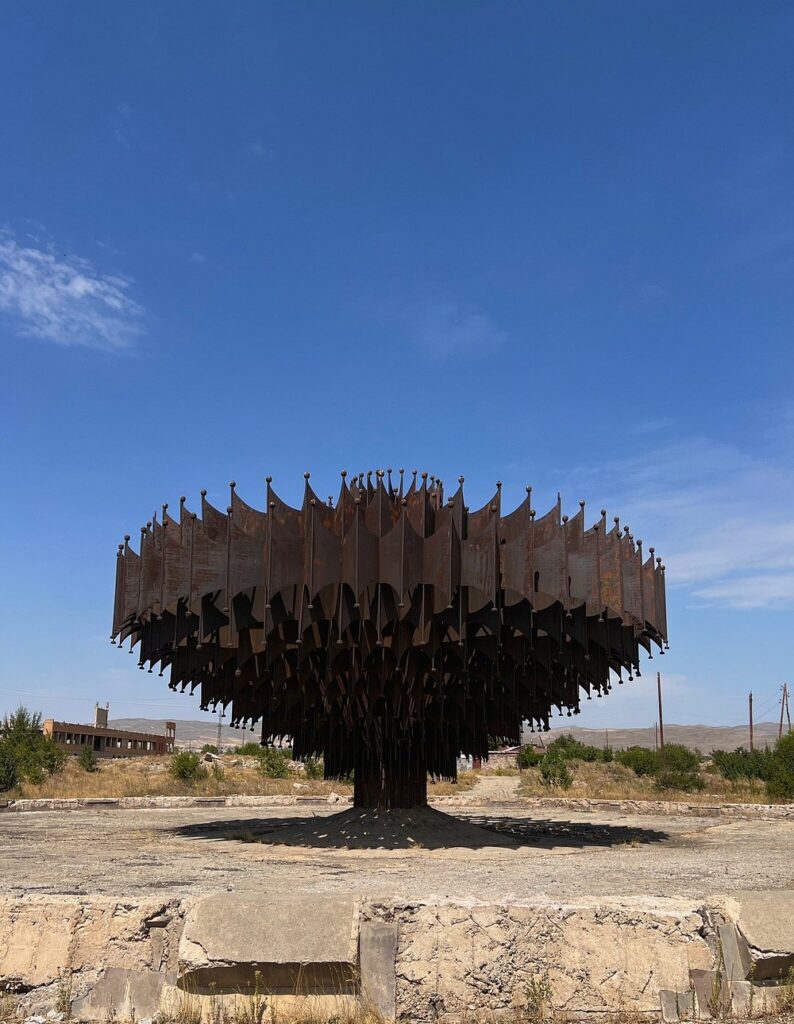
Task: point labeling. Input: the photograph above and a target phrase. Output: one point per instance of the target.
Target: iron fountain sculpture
(392, 631)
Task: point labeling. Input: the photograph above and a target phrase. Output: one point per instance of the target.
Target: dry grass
(148, 776)
(10, 1008)
(465, 782)
(616, 782)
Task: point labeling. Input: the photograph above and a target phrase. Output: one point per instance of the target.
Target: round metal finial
(126, 537)
(312, 501)
(581, 503)
(379, 474)
(272, 504)
(404, 502)
(237, 673)
(460, 479)
(356, 500)
(232, 484)
(194, 515)
(182, 499)
(343, 473)
(498, 485)
(268, 479)
(565, 519)
(424, 476)
(493, 508)
(203, 492)
(228, 510)
(121, 547)
(388, 469)
(306, 476)
(532, 513)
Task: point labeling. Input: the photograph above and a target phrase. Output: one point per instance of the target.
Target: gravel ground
(487, 853)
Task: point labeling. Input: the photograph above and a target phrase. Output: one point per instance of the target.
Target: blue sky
(542, 243)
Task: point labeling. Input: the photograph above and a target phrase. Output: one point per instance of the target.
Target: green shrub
(33, 753)
(529, 758)
(218, 774)
(88, 760)
(250, 749)
(209, 748)
(314, 767)
(555, 772)
(641, 760)
(51, 757)
(734, 765)
(780, 779)
(187, 767)
(9, 776)
(675, 757)
(273, 763)
(574, 750)
(672, 778)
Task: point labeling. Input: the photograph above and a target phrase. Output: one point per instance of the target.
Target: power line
(58, 696)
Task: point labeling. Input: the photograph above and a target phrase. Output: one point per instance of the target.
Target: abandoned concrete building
(106, 741)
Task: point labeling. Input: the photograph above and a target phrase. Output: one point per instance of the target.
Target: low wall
(418, 961)
(581, 804)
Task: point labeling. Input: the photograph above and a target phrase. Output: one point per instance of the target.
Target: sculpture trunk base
(390, 774)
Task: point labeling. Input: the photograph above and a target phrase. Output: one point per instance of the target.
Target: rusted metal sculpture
(392, 631)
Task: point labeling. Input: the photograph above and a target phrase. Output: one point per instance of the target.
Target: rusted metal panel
(389, 619)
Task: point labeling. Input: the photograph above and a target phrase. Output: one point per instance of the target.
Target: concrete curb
(167, 802)
(639, 807)
(665, 807)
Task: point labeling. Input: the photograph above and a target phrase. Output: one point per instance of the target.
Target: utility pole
(783, 705)
(661, 719)
(219, 712)
(751, 722)
(655, 736)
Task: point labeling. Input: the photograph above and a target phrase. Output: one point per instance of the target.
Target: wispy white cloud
(444, 329)
(719, 515)
(120, 125)
(652, 426)
(197, 257)
(64, 299)
(262, 151)
(758, 591)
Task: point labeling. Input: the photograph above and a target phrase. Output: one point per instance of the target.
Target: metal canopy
(393, 630)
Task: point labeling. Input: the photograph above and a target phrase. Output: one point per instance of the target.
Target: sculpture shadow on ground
(422, 828)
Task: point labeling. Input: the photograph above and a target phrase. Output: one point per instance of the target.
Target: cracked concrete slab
(233, 943)
(766, 922)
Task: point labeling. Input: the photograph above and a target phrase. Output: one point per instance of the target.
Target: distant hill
(190, 732)
(702, 737)
(196, 732)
